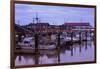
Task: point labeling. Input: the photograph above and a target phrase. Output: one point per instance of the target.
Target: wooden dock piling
(71, 38)
(80, 39)
(58, 38)
(80, 48)
(86, 35)
(71, 43)
(58, 53)
(71, 50)
(36, 43)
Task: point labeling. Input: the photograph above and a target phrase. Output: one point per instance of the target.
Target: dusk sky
(54, 15)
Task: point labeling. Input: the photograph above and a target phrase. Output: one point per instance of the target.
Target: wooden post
(86, 45)
(58, 53)
(19, 37)
(71, 43)
(71, 49)
(80, 36)
(86, 40)
(36, 58)
(71, 37)
(86, 35)
(80, 47)
(19, 40)
(80, 33)
(20, 58)
(36, 49)
(36, 43)
(90, 36)
(58, 44)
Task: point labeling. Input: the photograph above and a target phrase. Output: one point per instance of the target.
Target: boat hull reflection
(79, 52)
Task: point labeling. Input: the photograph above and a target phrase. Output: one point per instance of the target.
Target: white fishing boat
(48, 46)
(27, 42)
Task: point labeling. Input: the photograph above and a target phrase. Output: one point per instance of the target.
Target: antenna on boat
(33, 20)
(37, 19)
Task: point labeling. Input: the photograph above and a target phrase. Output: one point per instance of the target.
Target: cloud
(50, 14)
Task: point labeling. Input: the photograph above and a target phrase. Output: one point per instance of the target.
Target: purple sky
(24, 14)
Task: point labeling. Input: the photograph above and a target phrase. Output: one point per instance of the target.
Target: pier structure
(73, 34)
(67, 33)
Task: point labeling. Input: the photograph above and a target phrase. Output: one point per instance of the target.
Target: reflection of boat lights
(16, 35)
(22, 36)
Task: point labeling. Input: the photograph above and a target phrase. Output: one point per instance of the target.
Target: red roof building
(77, 24)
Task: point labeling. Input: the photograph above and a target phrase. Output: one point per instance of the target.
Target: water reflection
(77, 52)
